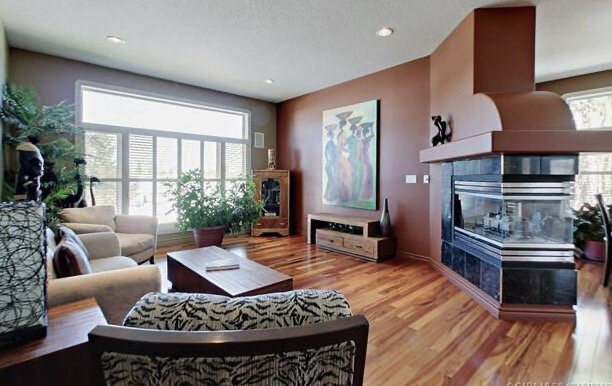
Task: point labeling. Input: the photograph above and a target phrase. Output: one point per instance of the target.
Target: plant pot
(207, 237)
(595, 250)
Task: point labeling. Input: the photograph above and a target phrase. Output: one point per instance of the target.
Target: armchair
(116, 281)
(137, 234)
(299, 337)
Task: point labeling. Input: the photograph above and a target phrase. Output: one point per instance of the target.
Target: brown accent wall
(54, 78)
(404, 123)
(578, 83)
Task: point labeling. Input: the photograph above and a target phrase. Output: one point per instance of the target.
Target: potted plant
(210, 211)
(589, 232)
(52, 129)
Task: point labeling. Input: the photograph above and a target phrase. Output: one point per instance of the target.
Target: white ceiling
(304, 45)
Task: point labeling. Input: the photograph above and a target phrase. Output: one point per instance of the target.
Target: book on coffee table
(222, 264)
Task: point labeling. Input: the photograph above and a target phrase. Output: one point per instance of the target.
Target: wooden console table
(364, 241)
(60, 358)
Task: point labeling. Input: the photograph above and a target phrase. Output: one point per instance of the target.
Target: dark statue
(27, 186)
(442, 135)
(76, 199)
(93, 180)
(49, 180)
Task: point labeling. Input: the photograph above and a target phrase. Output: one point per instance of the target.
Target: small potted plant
(211, 211)
(589, 232)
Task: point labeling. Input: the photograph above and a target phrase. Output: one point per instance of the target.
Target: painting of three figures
(350, 137)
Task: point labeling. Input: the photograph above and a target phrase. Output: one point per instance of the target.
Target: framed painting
(350, 155)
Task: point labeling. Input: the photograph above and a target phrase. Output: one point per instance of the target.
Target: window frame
(124, 133)
(586, 94)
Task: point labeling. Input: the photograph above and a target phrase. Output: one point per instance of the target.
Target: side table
(60, 358)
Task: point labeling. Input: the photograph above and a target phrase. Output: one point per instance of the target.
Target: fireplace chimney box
(482, 83)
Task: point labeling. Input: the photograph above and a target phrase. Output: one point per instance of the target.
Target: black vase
(386, 230)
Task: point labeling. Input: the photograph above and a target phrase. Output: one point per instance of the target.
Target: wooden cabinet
(272, 187)
(355, 236)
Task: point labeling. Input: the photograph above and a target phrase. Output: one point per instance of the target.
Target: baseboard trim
(537, 313)
(509, 312)
(411, 256)
(478, 295)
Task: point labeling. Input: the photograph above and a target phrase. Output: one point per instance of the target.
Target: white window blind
(135, 156)
(592, 110)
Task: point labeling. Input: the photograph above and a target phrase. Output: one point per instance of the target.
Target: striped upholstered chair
(303, 337)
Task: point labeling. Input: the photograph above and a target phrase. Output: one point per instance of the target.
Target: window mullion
(202, 164)
(125, 173)
(179, 158)
(222, 165)
(154, 176)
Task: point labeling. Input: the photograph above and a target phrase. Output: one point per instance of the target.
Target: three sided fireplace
(507, 226)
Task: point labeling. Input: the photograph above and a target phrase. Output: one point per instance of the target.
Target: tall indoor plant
(211, 211)
(52, 129)
(589, 232)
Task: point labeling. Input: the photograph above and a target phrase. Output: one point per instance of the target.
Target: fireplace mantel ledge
(521, 142)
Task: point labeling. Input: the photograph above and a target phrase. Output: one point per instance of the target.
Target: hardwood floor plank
(425, 331)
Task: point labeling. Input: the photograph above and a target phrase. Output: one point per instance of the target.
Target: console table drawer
(271, 223)
(329, 240)
(359, 245)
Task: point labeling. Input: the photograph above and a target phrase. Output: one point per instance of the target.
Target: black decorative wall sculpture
(23, 275)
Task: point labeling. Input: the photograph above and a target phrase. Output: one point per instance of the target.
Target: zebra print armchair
(302, 337)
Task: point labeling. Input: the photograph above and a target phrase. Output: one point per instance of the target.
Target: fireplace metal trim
(559, 253)
(514, 245)
(521, 190)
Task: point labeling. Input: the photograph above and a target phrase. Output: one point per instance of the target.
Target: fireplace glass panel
(271, 196)
(509, 221)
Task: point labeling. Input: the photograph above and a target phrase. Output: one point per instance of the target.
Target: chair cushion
(70, 260)
(50, 269)
(104, 215)
(133, 243)
(67, 233)
(111, 263)
(327, 365)
(51, 246)
(204, 312)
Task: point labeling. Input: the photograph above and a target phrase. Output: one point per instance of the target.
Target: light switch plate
(426, 178)
(411, 178)
(259, 140)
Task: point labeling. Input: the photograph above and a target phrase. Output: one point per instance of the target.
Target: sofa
(116, 281)
(137, 234)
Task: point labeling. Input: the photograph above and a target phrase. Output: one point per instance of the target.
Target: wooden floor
(425, 331)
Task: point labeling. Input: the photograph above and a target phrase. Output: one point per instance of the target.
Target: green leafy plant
(587, 225)
(25, 118)
(208, 205)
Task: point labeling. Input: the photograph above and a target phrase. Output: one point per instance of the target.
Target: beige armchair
(137, 234)
(116, 281)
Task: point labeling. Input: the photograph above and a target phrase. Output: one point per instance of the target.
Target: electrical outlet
(411, 178)
(426, 178)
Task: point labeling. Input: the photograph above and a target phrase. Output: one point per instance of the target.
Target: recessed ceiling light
(115, 39)
(384, 32)
(270, 81)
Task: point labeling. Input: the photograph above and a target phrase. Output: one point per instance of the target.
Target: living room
(351, 192)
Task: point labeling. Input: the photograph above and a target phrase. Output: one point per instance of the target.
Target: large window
(136, 143)
(592, 110)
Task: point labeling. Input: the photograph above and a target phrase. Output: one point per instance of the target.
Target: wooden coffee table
(187, 272)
